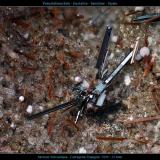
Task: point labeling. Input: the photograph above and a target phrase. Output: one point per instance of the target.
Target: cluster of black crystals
(85, 98)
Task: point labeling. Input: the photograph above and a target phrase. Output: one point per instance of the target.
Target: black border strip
(79, 156)
(79, 3)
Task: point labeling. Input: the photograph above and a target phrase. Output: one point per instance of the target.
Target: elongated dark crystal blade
(61, 106)
(103, 51)
(107, 80)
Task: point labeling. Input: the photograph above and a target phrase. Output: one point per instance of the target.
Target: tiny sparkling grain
(82, 150)
(26, 35)
(12, 125)
(145, 114)
(139, 8)
(144, 51)
(21, 98)
(41, 108)
(29, 109)
(78, 79)
(114, 39)
(127, 80)
(130, 118)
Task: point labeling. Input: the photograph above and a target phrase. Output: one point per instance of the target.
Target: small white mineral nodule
(21, 98)
(26, 35)
(145, 114)
(114, 39)
(78, 79)
(132, 45)
(130, 118)
(111, 56)
(144, 51)
(41, 108)
(82, 150)
(90, 22)
(29, 109)
(12, 125)
(127, 80)
(140, 8)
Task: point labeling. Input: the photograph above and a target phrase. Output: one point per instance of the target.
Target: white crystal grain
(130, 118)
(26, 35)
(29, 109)
(139, 8)
(114, 39)
(21, 98)
(12, 125)
(144, 51)
(78, 79)
(127, 80)
(82, 150)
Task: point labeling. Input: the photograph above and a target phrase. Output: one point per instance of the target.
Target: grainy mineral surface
(42, 50)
